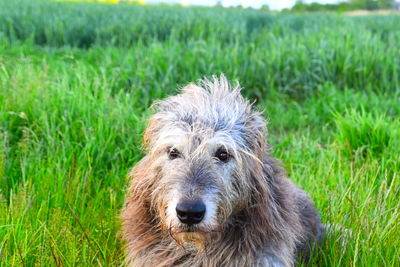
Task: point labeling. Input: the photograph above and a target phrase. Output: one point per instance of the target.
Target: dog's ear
(149, 132)
(137, 227)
(256, 132)
(152, 130)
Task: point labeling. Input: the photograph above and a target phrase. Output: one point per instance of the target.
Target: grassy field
(76, 81)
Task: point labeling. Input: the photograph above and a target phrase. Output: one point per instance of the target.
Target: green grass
(76, 81)
(363, 133)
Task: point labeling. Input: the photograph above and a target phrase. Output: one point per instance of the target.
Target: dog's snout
(190, 211)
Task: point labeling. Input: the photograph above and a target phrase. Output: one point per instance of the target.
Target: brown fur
(262, 218)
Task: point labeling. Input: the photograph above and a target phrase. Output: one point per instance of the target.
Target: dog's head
(203, 145)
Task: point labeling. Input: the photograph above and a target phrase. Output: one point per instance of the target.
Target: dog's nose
(190, 211)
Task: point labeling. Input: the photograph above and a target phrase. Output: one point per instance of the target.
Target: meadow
(77, 80)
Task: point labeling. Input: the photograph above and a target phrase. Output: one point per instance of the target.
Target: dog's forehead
(215, 107)
(214, 113)
(182, 136)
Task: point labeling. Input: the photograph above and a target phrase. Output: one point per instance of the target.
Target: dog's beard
(194, 237)
(196, 240)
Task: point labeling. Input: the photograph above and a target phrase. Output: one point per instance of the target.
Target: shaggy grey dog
(208, 193)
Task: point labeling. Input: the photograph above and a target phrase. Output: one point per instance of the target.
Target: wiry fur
(255, 215)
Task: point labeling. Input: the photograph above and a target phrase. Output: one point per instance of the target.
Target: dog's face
(203, 159)
(199, 174)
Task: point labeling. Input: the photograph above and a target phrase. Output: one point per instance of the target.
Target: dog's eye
(222, 155)
(173, 153)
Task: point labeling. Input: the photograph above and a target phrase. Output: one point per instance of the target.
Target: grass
(76, 81)
(362, 133)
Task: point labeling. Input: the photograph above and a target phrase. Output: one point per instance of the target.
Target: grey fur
(255, 216)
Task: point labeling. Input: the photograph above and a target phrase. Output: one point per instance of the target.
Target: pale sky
(273, 4)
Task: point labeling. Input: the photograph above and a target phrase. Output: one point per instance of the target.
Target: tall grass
(362, 133)
(76, 81)
(295, 53)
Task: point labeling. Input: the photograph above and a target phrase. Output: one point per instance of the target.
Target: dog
(208, 193)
